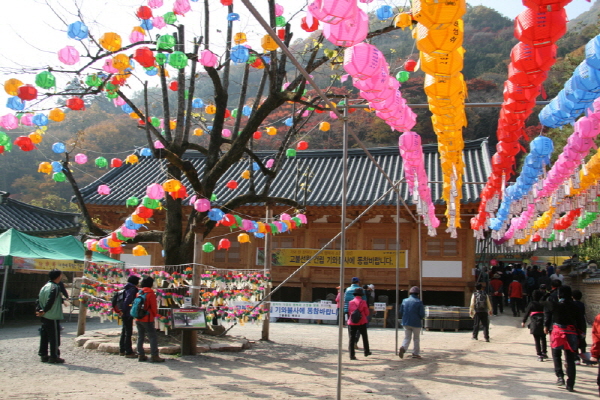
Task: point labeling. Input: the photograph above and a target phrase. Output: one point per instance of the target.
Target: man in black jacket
(130, 291)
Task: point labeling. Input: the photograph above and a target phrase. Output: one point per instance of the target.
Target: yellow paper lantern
(172, 185)
(271, 131)
(210, 109)
(444, 64)
(268, 43)
(45, 168)
(134, 116)
(443, 86)
(113, 243)
(198, 132)
(35, 137)
(439, 42)
(172, 124)
(121, 62)
(246, 174)
(261, 228)
(239, 38)
(131, 159)
(139, 250)
(56, 115)
(138, 220)
(438, 13)
(324, 126)
(403, 20)
(243, 238)
(110, 41)
(12, 86)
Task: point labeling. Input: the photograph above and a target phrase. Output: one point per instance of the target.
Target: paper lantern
(208, 59)
(81, 158)
(103, 190)
(27, 92)
(58, 148)
(332, 11)
(243, 238)
(45, 80)
(35, 137)
(101, 162)
(77, 30)
(56, 115)
(12, 86)
(239, 54)
(110, 41)
(202, 205)
(68, 55)
(59, 177)
(363, 60)
(245, 174)
(410, 65)
(131, 159)
(174, 86)
(268, 43)
(120, 62)
(224, 244)
(314, 25)
(178, 59)
(144, 56)
(239, 38)
(439, 41)
(437, 14)
(144, 212)
(45, 168)
(149, 202)
(155, 3)
(139, 250)
(171, 185)
(75, 103)
(385, 12)
(132, 201)
(302, 145)
(528, 58)
(324, 126)
(198, 132)
(15, 103)
(290, 152)
(403, 76)
(348, 32)
(403, 20)
(39, 120)
(208, 247)
(540, 28)
(232, 185)
(116, 163)
(210, 109)
(155, 191)
(271, 131)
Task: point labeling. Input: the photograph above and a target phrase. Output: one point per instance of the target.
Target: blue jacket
(412, 311)
(130, 294)
(349, 295)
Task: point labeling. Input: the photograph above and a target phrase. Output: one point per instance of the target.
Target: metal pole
(396, 324)
(420, 263)
(268, 251)
(3, 298)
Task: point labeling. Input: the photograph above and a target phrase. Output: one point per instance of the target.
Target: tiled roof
(34, 220)
(319, 170)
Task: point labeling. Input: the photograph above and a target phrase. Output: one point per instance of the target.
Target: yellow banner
(47, 265)
(331, 258)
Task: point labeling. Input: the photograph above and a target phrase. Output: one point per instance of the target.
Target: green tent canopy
(17, 244)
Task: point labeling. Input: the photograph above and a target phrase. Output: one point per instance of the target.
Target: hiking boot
(560, 381)
(353, 358)
(142, 358)
(487, 340)
(156, 359)
(132, 355)
(401, 352)
(55, 360)
(45, 359)
(368, 353)
(570, 388)
(416, 356)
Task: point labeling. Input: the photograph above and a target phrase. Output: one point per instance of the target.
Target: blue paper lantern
(266, 60)
(384, 12)
(592, 53)
(239, 54)
(233, 17)
(246, 111)
(146, 152)
(56, 166)
(129, 224)
(197, 103)
(255, 166)
(147, 24)
(58, 147)
(40, 120)
(126, 109)
(15, 103)
(289, 121)
(77, 30)
(215, 214)
(259, 235)
(152, 71)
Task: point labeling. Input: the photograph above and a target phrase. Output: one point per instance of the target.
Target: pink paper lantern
(363, 60)
(285, 217)
(332, 11)
(247, 225)
(136, 36)
(158, 144)
(81, 158)
(348, 32)
(68, 55)
(202, 205)
(278, 10)
(129, 233)
(270, 163)
(376, 97)
(155, 191)
(9, 122)
(181, 7)
(226, 133)
(193, 200)
(27, 120)
(302, 218)
(155, 3)
(118, 101)
(208, 58)
(103, 190)
(158, 22)
(108, 67)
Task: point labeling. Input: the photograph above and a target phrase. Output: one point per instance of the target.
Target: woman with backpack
(358, 310)
(145, 310)
(535, 310)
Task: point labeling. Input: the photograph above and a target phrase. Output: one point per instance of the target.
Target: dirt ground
(300, 361)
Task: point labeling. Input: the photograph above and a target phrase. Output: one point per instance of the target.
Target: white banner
(304, 311)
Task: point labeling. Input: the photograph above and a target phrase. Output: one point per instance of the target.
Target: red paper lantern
(228, 220)
(516, 106)
(410, 65)
(227, 113)
(180, 194)
(24, 143)
(144, 212)
(227, 2)
(313, 27)
(257, 135)
(115, 250)
(540, 28)
(302, 145)
(519, 93)
(501, 164)
(144, 56)
(281, 34)
(116, 163)
(75, 103)
(224, 244)
(118, 80)
(529, 59)
(232, 184)
(508, 149)
(144, 12)
(258, 63)
(174, 86)
(1, 149)
(27, 92)
(543, 4)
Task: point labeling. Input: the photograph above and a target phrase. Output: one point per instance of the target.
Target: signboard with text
(44, 264)
(304, 311)
(331, 258)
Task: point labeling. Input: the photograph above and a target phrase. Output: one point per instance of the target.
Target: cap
(414, 290)
(355, 280)
(372, 287)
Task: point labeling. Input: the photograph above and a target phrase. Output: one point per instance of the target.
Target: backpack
(530, 282)
(356, 316)
(480, 302)
(138, 308)
(118, 299)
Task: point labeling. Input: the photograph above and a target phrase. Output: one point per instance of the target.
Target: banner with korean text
(331, 258)
(304, 310)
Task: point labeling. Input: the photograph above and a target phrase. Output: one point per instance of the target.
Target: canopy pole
(268, 250)
(3, 298)
(342, 253)
(82, 316)
(396, 310)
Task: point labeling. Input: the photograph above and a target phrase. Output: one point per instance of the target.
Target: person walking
(497, 290)
(412, 311)
(129, 293)
(535, 311)
(49, 309)
(479, 310)
(566, 329)
(358, 310)
(595, 349)
(515, 294)
(145, 325)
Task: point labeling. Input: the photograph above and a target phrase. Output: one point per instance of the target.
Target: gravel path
(299, 362)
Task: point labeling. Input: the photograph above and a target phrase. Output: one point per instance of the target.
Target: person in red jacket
(359, 327)
(497, 290)
(515, 293)
(595, 350)
(145, 325)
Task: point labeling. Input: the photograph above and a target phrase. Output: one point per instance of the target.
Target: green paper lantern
(93, 80)
(121, 237)
(213, 197)
(297, 221)
(4, 138)
(8, 146)
(132, 201)
(290, 152)
(274, 229)
(234, 113)
(170, 18)
(111, 87)
(150, 203)
(238, 222)
(112, 95)
(280, 21)
(402, 76)
(59, 177)
(160, 59)
(208, 247)
(178, 60)
(155, 122)
(45, 80)
(165, 42)
(551, 237)
(186, 94)
(101, 162)
(251, 58)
